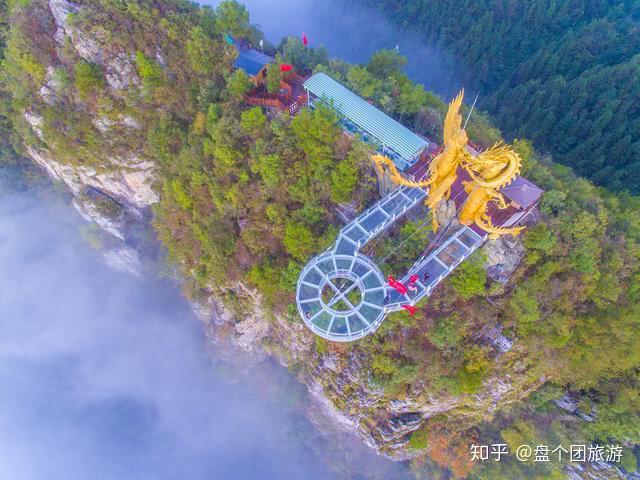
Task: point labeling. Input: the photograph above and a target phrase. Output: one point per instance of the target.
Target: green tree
(343, 181)
(363, 82)
(384, 365)
(233, 18)
(200, 48)
(180, 194)
(165, 141)
(411, 96)
(301, 57)
(540, 237)
(524, 309)
(299, 240)
(269, 167)
(238, 84)
(445, 333)
(274, 76)
(316, 133)
(89, 79)
(151, 73)
(21, 57)
(520, 433)
(419, 439)
(469, 279)
(253, 120)
(385, 63)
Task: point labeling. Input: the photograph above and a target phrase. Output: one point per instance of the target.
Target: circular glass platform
(341, 297)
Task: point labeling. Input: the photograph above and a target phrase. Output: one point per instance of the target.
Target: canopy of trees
(562, 73)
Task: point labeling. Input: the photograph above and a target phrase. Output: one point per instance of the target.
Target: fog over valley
(353, 32)
(106, 376)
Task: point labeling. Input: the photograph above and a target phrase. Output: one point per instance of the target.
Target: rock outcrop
(503, 257)
(340, 384)
(129, 180)
(119, 68)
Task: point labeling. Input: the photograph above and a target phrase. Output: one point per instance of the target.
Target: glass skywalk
(343, 296)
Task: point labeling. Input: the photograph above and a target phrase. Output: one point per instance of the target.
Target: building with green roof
(376, 127)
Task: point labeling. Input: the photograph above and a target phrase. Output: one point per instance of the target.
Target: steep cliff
(114, 186)
(137, 107)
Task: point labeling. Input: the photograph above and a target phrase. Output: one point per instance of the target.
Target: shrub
(253, 120)
(89, 79)
(445, 333)
(151, 73)
(299, 240)
(238, 84)
(419, 439)
(470, 277)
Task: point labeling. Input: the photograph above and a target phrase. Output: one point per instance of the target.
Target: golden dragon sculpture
(490, 171)
(443, 169)
(475, 210)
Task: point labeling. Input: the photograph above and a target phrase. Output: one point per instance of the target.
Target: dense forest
(247, 196)
(561, 73)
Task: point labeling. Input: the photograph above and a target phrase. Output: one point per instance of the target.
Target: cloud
(105, 376)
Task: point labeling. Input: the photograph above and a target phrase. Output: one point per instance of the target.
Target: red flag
(305, 41)
(410, 308)
(285, 67)
(397, 285)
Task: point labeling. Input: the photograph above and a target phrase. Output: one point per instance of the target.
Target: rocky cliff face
(340, 382)
(119, 192)
(127, 178)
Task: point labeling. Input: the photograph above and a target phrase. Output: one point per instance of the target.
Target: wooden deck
(291, 96)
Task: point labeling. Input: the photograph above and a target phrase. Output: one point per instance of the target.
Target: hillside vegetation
(562, 73)
(249, 197)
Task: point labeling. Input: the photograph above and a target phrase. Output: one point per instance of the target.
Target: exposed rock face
(36, 123)
(341, 385)
(48, 90)
(130, 181)
(91, 213)
(61, 9)
(446, 213)
(104, 124)
(598, 471)
(120, 71)
(503, 256)
(124, 259)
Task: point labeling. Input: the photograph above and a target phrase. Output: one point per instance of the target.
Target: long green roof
(378, 124)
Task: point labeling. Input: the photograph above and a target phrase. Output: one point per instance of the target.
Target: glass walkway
(431, 269)
(342, 295)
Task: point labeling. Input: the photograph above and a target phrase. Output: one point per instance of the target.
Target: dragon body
(494, 168)
(476, 207)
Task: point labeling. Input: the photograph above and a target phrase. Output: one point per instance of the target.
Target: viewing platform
(342, 295)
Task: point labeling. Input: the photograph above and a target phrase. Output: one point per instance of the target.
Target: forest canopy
(561, 73)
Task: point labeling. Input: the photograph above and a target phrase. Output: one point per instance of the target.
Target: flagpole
(470, 111)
